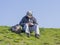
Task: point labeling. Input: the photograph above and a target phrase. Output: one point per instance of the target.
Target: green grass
(48, 36)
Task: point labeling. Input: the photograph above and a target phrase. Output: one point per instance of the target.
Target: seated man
(30, 24)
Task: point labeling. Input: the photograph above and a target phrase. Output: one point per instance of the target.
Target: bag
(16, 28)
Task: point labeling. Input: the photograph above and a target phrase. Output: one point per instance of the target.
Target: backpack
(16, 28)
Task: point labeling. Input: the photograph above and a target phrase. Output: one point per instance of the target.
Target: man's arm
(35, 21)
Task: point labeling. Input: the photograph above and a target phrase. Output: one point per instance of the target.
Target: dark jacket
(25, 20)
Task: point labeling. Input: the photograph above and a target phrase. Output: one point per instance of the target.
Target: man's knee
(26, 25)
(36, 25)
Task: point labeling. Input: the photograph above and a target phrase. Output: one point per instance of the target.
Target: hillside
(48, 36)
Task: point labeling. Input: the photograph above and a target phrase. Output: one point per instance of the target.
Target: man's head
(29, 14)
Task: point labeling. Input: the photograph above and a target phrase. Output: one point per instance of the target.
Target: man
(30, 24)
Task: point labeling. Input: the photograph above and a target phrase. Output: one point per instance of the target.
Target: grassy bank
(48, 36)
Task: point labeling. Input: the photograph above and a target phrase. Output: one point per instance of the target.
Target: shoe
(37, 36)
(28, 35)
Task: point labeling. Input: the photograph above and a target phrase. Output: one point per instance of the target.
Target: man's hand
(30, 24)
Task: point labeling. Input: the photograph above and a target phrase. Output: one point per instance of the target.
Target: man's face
(29, 16)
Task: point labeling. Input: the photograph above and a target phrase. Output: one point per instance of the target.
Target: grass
(48, 36)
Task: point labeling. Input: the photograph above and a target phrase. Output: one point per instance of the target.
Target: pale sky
(47, 12)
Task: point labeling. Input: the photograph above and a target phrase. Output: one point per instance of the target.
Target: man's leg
(26, 28)
(36, 29)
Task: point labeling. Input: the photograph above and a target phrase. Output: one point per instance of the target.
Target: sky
(47, 12)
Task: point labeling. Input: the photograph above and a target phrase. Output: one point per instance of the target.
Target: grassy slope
(49, 36)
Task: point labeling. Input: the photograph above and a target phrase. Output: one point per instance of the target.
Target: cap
(29, 13)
